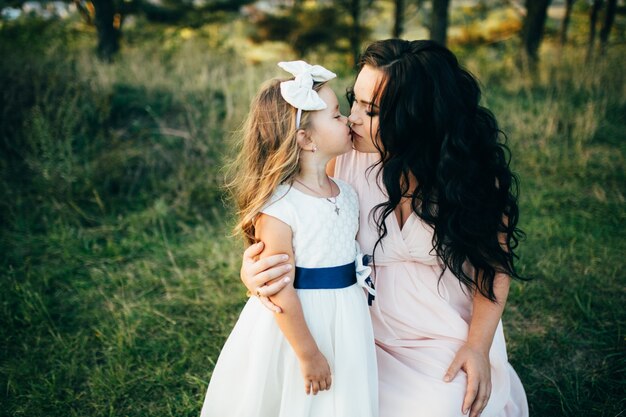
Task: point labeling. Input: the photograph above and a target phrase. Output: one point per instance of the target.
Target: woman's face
(364, 112)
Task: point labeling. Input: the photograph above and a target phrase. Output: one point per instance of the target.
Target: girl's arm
(315, 370)
(473, 357)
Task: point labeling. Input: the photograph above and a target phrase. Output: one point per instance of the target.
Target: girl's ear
(303, 139)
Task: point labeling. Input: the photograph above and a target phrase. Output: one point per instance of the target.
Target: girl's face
(329, 128)
(364, 112)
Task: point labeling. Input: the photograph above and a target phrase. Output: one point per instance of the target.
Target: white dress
(257, 373)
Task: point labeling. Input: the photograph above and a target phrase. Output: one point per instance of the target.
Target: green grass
(119, 278)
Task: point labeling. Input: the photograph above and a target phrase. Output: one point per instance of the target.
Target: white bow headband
(299, 92)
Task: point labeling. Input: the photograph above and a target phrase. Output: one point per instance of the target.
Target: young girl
(322, 342)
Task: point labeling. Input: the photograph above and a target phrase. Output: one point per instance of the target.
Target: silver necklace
(331, 200)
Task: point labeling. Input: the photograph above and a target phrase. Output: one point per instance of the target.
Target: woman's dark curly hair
(432, 126)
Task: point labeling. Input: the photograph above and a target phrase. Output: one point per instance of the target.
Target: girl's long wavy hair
(431, 126)
(268, 154)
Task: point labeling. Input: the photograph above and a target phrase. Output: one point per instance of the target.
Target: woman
(439, 216)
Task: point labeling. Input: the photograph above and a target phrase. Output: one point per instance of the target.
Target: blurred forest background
(119, 275)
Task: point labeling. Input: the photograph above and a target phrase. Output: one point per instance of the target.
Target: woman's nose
(353, 120)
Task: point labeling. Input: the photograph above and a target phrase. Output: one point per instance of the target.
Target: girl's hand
(316, 373)
(476, 365)
(265, 277)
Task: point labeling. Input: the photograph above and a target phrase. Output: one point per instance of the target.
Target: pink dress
(419, 321)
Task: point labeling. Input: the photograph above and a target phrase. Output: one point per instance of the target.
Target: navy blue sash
(332, 277)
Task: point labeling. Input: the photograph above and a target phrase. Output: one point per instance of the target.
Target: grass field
(119, 278)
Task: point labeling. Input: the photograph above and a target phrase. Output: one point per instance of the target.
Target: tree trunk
(439, 21)
(108, 35)
(593, 19)
(609, 18)
(355, 33)
(398, 26)
(532, 30)
(566, 19)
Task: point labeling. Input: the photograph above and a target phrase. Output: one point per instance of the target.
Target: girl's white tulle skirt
(258, 375)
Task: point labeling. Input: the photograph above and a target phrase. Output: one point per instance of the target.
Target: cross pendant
(337, 210)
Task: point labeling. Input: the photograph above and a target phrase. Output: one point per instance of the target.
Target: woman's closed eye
(352, 99)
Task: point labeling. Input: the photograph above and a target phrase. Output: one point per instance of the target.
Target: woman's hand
(475, 363)
(265, 277)
(316, 373)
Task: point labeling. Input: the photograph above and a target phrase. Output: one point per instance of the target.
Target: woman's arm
(473, 357)
(315, 370)
(264, 277)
